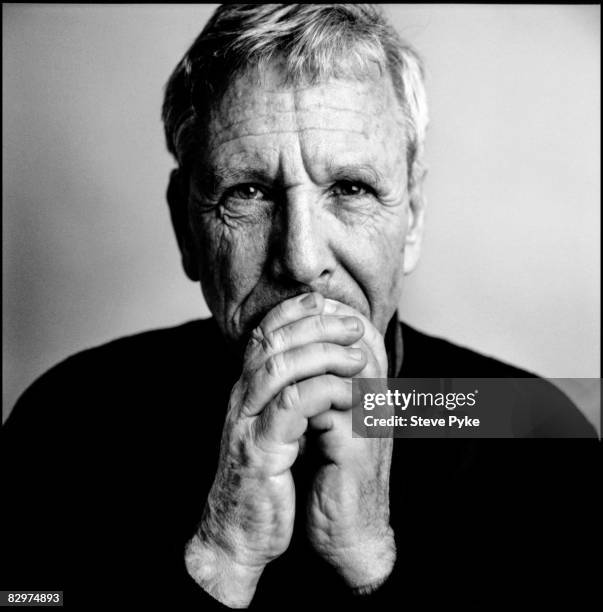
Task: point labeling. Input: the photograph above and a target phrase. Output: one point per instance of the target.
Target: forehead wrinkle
(242, 90)
(296, 110)
(294, 131)
(351, 83)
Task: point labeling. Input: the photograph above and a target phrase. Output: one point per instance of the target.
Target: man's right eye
(247, 191)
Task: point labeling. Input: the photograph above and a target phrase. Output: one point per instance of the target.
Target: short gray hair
(315, 41)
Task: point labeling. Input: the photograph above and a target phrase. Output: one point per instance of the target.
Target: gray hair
(315, 42)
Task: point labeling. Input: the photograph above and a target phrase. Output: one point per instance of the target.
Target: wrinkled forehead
(263, 99)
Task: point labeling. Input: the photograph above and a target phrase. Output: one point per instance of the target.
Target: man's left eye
(349, 189)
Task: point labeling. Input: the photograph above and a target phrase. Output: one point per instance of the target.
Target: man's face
(302, 189)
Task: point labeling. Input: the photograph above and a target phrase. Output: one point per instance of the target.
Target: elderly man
(213, 464)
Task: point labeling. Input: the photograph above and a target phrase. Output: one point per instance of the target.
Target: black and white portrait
(224, 222)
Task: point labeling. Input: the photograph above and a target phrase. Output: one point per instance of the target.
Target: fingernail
(309, 301)
(351, 323)
(355, 353)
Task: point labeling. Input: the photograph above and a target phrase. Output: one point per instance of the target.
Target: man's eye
(247, 192)
(350, 189)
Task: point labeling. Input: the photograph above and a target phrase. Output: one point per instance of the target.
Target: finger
(334, 423)
(372, 336)
(285, 418)
(322, 422)
(333, 307)
(368, 458)
(315, 328)
(286, 312)
(291, 310)
(282, 369)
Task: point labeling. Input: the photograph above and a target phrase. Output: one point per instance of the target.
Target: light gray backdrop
(511, 260)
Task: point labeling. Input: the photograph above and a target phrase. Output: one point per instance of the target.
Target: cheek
(375, 259)
(230, 262)
(377, 246)
(393, 246)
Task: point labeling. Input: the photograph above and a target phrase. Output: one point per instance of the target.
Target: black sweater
(108, 458)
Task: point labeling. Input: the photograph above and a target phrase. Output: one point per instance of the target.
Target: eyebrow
(214, 179)
(358, 171)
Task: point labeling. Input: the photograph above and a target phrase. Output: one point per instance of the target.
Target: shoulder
(165, 344)
(152, 348)
(539, 408)
(123, 372)
(426, 355)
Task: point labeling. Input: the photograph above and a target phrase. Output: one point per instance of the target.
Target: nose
(302, 253)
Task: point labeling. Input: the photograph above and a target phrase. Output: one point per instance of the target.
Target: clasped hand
(296, 376)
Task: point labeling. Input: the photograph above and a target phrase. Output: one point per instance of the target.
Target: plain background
(511, 259)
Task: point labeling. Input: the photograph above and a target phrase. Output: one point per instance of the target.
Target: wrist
(219, 573)
(366, 566)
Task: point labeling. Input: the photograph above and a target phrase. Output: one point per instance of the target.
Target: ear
(416, 215)
(177, 197)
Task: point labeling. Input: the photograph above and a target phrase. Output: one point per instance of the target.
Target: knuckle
(273, 341)
(289, 397)
(255, 341)
(275, 365)
(321, 326)
(257, 334)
